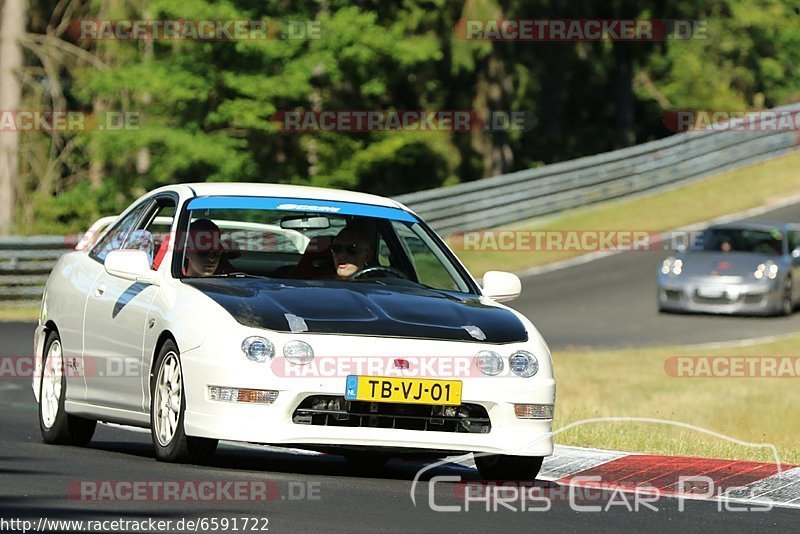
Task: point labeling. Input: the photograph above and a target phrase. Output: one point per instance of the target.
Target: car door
(114, 320)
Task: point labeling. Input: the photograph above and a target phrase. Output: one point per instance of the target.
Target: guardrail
(665, 163)
(25, 263)
(491, 202)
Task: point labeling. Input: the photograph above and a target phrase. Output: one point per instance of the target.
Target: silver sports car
(746, 268)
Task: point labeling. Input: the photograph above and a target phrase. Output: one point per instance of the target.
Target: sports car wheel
(787, 306)
(56, 425)
(500, 467)
(167, 408)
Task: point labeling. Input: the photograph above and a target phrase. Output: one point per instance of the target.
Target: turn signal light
(252, 396)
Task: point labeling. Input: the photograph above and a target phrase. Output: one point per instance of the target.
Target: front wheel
(501, 467)
(56, 425)
(787, 305)
(167, 408)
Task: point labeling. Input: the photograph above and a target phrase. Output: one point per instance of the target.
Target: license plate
(403, 390)
(711, 292)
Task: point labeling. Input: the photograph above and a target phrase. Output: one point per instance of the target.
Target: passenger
(205, 251)
(352, 251)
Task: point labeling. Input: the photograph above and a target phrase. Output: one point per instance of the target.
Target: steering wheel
(391, 270)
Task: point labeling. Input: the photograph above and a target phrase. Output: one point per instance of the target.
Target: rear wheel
(56, 425)
(501, 467)
(167, 408)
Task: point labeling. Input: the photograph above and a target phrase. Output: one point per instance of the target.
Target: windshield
(744, 240)
(277, 238)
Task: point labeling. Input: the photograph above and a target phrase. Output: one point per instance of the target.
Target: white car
(237, 325)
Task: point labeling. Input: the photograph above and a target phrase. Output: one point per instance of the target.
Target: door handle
(99, 290)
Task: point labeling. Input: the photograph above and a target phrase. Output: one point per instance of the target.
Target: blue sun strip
(304, 205)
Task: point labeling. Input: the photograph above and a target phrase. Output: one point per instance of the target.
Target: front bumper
(273, 423)
(719, 294)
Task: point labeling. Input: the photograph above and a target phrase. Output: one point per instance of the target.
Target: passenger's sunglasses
(350, 249)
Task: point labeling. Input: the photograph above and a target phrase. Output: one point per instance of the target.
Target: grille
(322, 410)
(712, 300)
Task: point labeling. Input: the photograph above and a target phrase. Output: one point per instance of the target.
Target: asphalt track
(611, 302)
(36, 480)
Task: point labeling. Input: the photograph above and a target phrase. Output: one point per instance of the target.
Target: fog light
(523, 364)
(489, 363)
(533, 411)
(298, 352)
(258, 349)
(252, 396)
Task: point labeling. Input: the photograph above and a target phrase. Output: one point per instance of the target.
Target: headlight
(523, 363)
(489, 363)
(672, 266)
(258, 349)
(768, 269)
(298, 352)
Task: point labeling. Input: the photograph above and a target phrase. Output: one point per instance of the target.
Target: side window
(794, 240)
(154, 235)
(429, 268)
(115, 238)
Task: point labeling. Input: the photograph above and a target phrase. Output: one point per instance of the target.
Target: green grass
(634, 383)
(25, 314)
(757, 185)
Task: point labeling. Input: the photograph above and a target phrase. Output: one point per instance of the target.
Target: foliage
(208, 109)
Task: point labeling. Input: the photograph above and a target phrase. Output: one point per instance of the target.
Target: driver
(205, 251)
(351, 251)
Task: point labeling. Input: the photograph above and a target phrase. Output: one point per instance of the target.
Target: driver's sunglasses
(350, 248)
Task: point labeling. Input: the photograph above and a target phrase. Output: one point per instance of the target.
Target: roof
(292, 191)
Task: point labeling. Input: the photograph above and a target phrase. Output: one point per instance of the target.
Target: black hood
(360, 308)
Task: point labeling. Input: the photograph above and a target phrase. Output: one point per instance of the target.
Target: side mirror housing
(501, 286)
(133, 265)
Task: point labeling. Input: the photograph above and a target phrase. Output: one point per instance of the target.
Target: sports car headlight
(298, 352)
(489, 363)
(523, 363)
(672, 265)
(768, 269)
(258, 349)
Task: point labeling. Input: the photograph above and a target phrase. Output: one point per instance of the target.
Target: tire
(501, 467)
(167, 409)
(56, 425)
(787, 306)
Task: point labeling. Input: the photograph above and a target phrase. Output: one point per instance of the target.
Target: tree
(12, 28)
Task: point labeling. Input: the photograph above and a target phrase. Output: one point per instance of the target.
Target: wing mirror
(501, 286)
(133, 265)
